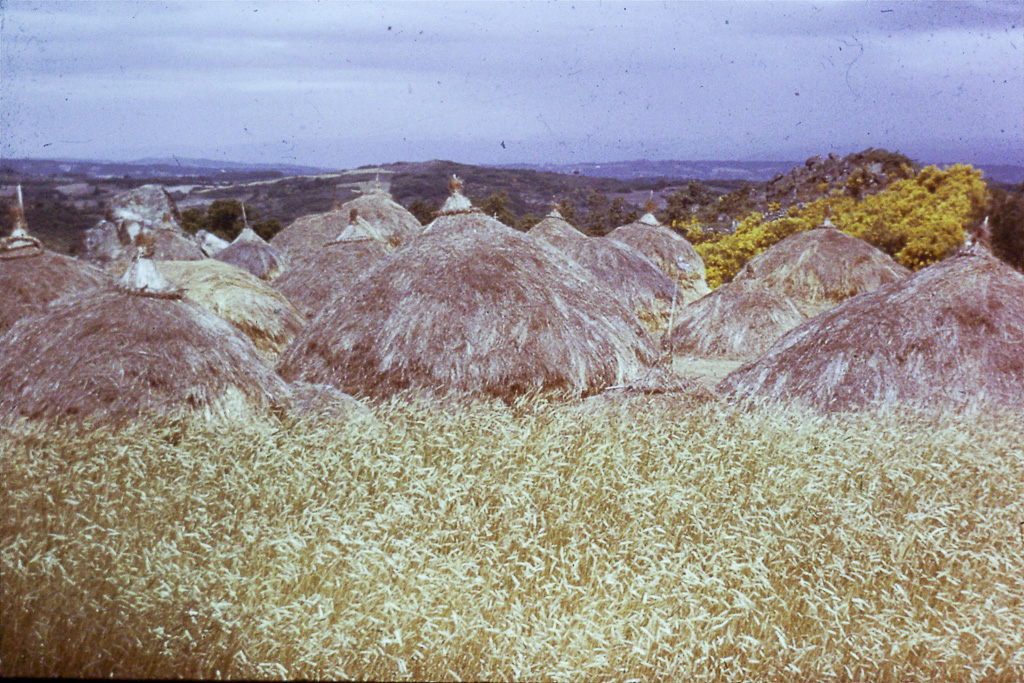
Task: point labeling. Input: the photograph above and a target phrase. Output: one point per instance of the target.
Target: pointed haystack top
(142, 279)
(649, 219)
(251, 252)
(358, 229)
(457, 202)
(555, 230)
(19, 243)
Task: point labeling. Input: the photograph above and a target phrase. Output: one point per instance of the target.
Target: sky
(347, 84)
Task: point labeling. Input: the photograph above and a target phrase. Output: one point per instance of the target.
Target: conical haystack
(556, 231)
(136, 349)
(639, 284)
(391, 220)
(820, 268)
(32, 276)
(251, 305)
(669, 251)
(736, 321)
(251, 252)
(951, 335)
(471, 306)
(303, 238)
(317, 281)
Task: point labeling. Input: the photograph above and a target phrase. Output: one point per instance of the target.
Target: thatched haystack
(251, 252)
(670, 251)
(640, 284)
(135, 349)
(951, 335)
(820, 268)
(556, 231)
(252, 306)
(32, 276)
(304, 237)
(736, 321)
(209, 243)
(318, 280)
(395, 224)
(474, 307)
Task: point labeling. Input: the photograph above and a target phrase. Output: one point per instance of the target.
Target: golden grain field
(670, 541)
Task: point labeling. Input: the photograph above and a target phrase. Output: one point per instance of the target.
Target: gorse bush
(531, 542)
(917, 221)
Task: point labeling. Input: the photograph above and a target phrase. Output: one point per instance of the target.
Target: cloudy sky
(343, 84)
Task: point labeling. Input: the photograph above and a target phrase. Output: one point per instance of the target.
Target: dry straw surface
(471, 306)
(29, 283)
(820, 268)
(668, 250)
(112, 356)
(531, 543)
(252, 306)
(318, 280)
(305, 236)
(252, 253)
(556, 231)
(738, 320)
(950, 335)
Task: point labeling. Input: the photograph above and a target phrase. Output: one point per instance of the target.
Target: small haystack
(668, 251)
(32, 276)
(736, 321)
(556, 231)
(209, 243)
(471, 306)
(949, 336)
(820, 268)
(252, 306)
(251, 252)
(135, 349)
(319, 279)
(304, 237)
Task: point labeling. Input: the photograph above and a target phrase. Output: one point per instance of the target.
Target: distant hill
(753, 171)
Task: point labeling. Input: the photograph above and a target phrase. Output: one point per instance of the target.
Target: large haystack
(304, 237)
(317, 281)
(639, 284)
(32, 276)
(736, 321)
(472, 306)
(131, 350)
(251, 252)
(252, 306)
(820, 268)
(556, 231)
(948, 336)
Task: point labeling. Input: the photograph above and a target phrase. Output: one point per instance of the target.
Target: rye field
(664, 539)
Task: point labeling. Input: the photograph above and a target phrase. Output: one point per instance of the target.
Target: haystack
(820, 268)
(951, 335)
(303, 238)
(556, 231)
(315, 282)
(32, 276)
(252, 306)
(669, 251)
(736, 321)
(475, 307)
(251, 252)
(639, 284)
(131, 350)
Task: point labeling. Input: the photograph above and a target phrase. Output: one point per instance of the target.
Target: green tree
(497, 206)
(680, 205)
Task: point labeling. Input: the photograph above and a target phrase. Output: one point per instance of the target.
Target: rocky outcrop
(858, 174)
(147, 209)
